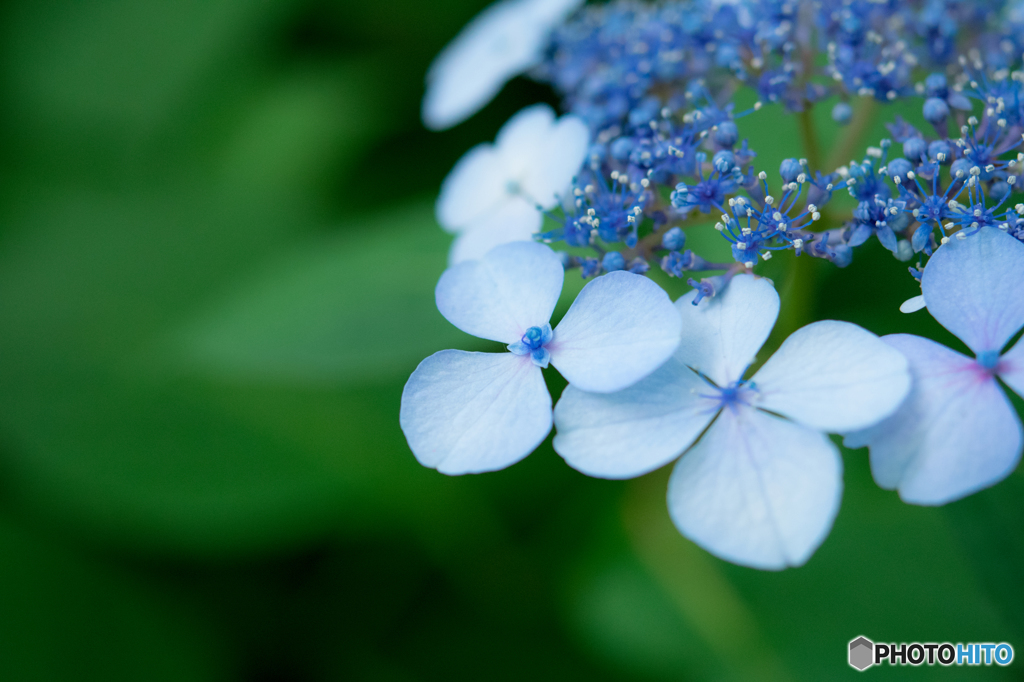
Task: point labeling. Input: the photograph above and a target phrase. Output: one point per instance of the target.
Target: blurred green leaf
(308, 126)
(352, 307)
(107, 434)
(117, 63)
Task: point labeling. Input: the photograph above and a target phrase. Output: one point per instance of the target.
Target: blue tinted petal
(833, 376)
(514, 287)
(757, 490)
(619, 329)
(974, 286)
(634, 431)
(471, 412)
(954, 435)
(721, 335)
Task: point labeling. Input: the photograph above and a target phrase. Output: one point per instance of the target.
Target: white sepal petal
(513, 221)
(833, 376)
(619, 329)
(912, 305)
(466, 413)
(634, 431)
(502, 41)
(757, 490)
(973, 287)
(954, 435)
(473, 189)
(559, 159)
(721, 335)
(512, 288)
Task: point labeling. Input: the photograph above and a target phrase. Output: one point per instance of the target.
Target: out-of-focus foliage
(217, 259)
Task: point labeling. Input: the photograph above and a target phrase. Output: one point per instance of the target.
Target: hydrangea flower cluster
(649, 148)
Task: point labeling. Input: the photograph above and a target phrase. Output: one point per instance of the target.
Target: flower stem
(809, 137)
(693, 583)
(862, 116)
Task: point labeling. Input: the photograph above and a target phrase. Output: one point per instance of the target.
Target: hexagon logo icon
(861, 653)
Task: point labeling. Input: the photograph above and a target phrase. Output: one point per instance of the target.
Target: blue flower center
(532, 343)
(533, 338)
(735, 394)
(988, 360)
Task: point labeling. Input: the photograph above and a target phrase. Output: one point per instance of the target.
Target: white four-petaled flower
(471, 412)
(762, 485)
(492, 195)
(957, 433)
(503, 41)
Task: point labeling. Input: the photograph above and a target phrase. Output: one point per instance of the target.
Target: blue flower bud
(726, 134)
(790, 169)
(723, 161)
(621, 148)
(914, 148)
(597, 152)
(613, 261)
(899, 168)
(935, 110)
(645, 112)
(935, 85)
(999, 189)
(940, 147)
(841, 113)
(962, 166)
(674, 239)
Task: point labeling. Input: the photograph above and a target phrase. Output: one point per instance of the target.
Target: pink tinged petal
(757, 490)
(619, 329)
(557, 162)
(502, 41)
(472, 190)
(514, 287)
(466, 413)
(721, 335)
(955, 434)
(973, 287)
(514, 221)
(636, 430)
(833, 376)
(1011, 368)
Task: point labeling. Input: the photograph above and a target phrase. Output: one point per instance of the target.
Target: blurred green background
(217, 260)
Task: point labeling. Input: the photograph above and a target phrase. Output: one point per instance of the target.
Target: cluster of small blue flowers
(653, 82)
(650, 145)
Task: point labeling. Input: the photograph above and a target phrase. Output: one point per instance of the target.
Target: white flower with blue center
(762, 485)
(495, 193)
(468, 412)
(500, 43)
(957, 433)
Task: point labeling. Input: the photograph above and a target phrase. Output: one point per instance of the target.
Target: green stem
(862, 116)
(809, 137)
(692, 582)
